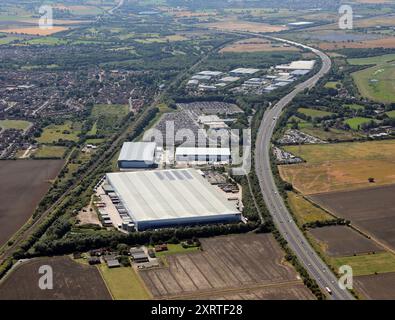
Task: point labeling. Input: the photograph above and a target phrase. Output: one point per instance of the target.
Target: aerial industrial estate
(203, 150)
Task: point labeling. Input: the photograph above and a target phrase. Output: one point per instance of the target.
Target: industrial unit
(169, 198)
(137, 155)
(201, 154)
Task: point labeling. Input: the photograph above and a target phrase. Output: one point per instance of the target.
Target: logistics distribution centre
(170, 198)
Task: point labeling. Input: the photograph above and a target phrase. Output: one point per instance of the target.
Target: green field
(305, 211)
(314, 113)
(391, 114)
(332, 134)
(45, 151)
(357, 122)
(47, 41)
(124, 283)
(93, 130)
(367, 264)
(15, 124)
(355, 106)
(332, 84)
(53, 133)
(377, 82)
(176, 249)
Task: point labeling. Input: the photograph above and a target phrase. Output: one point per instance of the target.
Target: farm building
(171, 198)
(137, 155)
(184, 154)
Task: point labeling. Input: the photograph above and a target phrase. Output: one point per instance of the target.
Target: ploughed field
(372, 210)
(231, 267)
(343, 241)
(71, 281)
(23, 185)
(376, 286)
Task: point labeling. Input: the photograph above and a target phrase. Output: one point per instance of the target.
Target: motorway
(314, 265)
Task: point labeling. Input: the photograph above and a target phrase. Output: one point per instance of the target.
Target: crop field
(227, 265)
(314, 113)
(341, 166)
(378, 82)
(237, 25)
(15, 124)
(256, 45)
(357, 122)
(343, 241)
(305, 211)
(35, 30)
(53, 133)
(23, 184)
(370, 209)
(388, 42)
(377, 286)
(72, 281)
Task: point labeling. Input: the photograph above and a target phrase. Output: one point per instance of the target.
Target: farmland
(256, 45)
(343, 241)
(48, 151)
(376, 286)
(378, 82)
(72, 281)
(35, 30)
(370, 209)
(228, 266)
(24, 183)
(342, 166)
(238, 25)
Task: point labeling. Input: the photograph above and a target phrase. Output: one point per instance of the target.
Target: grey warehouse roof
(169, 194)
(137, 151)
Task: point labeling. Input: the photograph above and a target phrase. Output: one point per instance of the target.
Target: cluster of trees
(326, 223)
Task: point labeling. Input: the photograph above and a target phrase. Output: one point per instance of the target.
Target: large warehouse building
(137, 155)
(171, 198)
(202, 154)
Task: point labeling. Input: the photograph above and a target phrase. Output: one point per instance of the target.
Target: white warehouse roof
(137, 151)
(158, 197)
(203, 151)
(210, 73)
(244, 71)
(298, 65)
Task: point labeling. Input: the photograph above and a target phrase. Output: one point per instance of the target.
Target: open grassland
(366, 264)
(341, 166)
(357, 122)
(53, 133)
(256, 45)
(314, 113)
(229, 267)
(331, 134)
(378, 82)
(372, 210)
(338, 241)
(48, 151)
(15, 124)
(71, 280)
(305, 211)
(23, 184)
(332, 84)
(124, 283)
